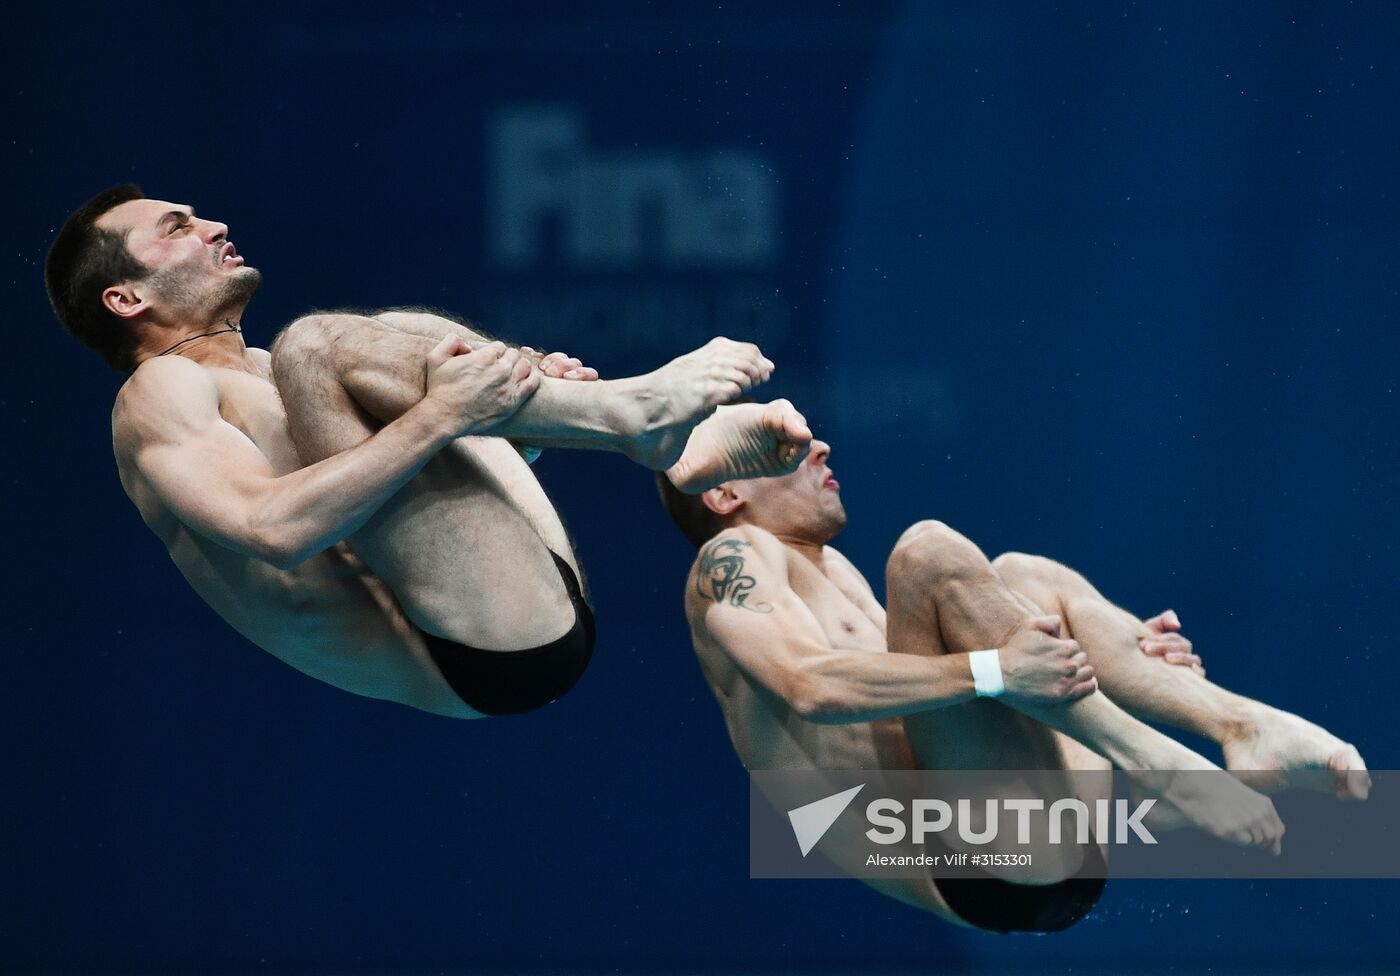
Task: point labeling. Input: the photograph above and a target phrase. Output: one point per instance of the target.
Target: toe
(1353, 781)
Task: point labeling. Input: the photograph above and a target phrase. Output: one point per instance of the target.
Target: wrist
(440, 422)
(988, 681)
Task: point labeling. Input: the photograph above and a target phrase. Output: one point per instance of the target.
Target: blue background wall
(1113, 282)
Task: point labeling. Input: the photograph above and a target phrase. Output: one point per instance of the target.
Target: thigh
(464, 545)
(932, 593)
(352, 634)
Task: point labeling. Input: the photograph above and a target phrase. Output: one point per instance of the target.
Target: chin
(831, 526)
(237, 290)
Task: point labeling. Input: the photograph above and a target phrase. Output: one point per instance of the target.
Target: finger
(444, 351)
(526, 385)
(1199, 669)
(1049, 624)
(491, 352)
(1165, 621)
(1084, 689)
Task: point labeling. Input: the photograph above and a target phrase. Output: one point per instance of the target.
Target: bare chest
(837, 600)
(252, 405)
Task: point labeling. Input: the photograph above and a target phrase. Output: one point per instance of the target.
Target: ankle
(1239, 721)
(630, 408)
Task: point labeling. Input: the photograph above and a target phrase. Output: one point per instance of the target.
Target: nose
(213, 231)
(821, 450)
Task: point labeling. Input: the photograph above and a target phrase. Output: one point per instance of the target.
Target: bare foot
(1278, 750)
(667, 403)
(1214, 802)
(748, 440)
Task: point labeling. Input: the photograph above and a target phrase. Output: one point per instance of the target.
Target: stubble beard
(227, 297)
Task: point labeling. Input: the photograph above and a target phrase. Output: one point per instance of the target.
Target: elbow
(273, 544)
(817, 699)
(279, 554)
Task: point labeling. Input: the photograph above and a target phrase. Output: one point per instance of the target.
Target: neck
(809, 546)
(806, 547)
(219, 342)
(227, 327)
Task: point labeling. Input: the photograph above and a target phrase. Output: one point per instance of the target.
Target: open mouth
(831, 482)
(228, 255)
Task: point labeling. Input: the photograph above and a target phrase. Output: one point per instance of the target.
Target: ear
(127, 299)
(722, 500)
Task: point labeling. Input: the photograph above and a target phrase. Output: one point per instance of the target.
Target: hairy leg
(665, 420)
(463, 545)
(1255, 738)
(944, 596)
(933, 611)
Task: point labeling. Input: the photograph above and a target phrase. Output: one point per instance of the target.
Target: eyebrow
(182, 215)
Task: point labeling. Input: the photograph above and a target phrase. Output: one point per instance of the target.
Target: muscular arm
(742, 601)
(215, 480)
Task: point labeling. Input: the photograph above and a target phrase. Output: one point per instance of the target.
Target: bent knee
(308, 338)
(933, 548)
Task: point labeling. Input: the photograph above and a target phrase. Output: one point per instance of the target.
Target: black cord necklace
(204, 335)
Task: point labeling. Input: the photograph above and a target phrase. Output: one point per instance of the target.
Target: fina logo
(612, 209)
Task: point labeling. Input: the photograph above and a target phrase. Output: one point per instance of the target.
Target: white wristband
(986, 673)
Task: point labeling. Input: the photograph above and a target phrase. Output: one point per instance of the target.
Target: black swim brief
(1000, 906)
(511, 682)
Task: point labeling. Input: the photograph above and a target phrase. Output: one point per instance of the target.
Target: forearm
(311, 509)
(845, 687)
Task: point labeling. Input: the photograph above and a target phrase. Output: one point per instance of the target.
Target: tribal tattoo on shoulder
(721, 575)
